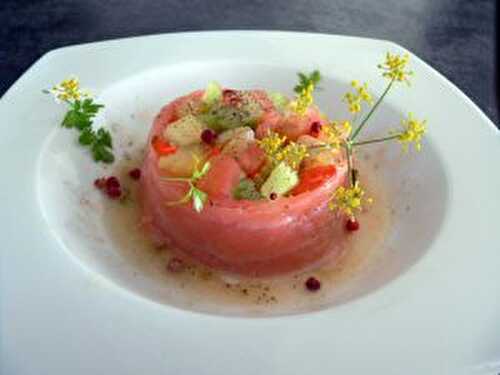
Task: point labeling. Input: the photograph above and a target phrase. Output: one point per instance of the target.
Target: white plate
(435, 311)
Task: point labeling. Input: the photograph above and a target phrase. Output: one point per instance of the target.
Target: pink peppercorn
(352, 225)
(112, 182)
(135, 173)
(113, 188)
(208, 136)
(100, 183)
(313, 284)
(315, 128)
(114, 192)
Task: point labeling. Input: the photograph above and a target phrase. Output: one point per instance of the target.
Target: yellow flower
(361, 94)
(303, 100)
(335, 133)
(348, 200)
(68, 90)
(292, 154)
(271, 144)
(395, 68)
(274, 147)
(413, 132)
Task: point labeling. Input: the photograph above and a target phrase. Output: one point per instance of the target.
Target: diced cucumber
(213, 94)
(222, 116)
(185, 131)
(281, 180)
(279, 100)
(246, 190)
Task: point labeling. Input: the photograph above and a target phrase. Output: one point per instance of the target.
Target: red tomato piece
(215, 151)
(312, 178)
(162, 147)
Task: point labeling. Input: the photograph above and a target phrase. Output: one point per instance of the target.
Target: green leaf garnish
(80, 116)
(198, 196)
(87, 137)
(101, 146)
(197, 174)
(306, 80)
(199, 199)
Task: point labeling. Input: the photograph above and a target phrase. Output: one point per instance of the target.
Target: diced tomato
(268, 123)
(231, 97)
(312, 178)
(252, 159)
(214, 151)
(293, 126)
(162, 147)
(222, 177)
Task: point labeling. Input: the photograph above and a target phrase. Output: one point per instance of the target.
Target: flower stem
(319, 146)
(363, 123)
(376, 140)
(348, 153)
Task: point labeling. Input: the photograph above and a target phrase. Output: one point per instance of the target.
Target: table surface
(457, 37)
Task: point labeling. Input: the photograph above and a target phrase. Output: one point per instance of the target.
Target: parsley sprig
(80, 116)
(198, 196)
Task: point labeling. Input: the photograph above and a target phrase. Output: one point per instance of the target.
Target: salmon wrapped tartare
(239, 181)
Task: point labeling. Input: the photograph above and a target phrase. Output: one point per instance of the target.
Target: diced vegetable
(214, 151)
(323, 158)
(185, 131)
(281, 180)
(294, 125)
(312, 178)
(246, 190)
(319, 156)
(309, 140)
(222, 116)
(239, 142)
(279, 100)
(252, 159)
(183, 162)
(242, 132)
(162, 147)
(270, 122)
(212, 95)
(222, 178)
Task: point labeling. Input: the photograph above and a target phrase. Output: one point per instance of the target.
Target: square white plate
(439, 317)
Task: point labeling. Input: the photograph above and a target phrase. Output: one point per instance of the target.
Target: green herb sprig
(80, 116)
(198, 196)
(306, 80)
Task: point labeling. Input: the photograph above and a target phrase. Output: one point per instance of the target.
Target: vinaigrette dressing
(199, 288)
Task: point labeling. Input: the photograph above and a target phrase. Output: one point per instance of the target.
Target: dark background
(457, 37)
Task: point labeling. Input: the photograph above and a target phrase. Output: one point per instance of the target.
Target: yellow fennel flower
(68, 90)
(355, 99)
(303, 100)
(394, 67)
(335, 133)
(292, 154)
(413, 131)
(271, 144)
(348, 200)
